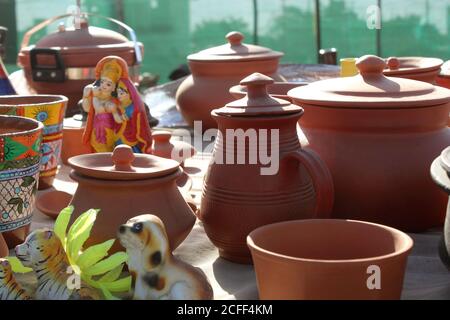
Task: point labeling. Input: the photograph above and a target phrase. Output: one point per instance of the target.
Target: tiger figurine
(10, 289)
(156, 272)
(42, 251)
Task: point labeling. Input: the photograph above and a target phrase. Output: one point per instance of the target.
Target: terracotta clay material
(73, 140)
(241, 194)
(164, 147)
(440, 172)
(277, 90)
(50, 110)
(20, 157)
(215, 70)
(415, 68)
(378, 136)
(66, 59)
(122, 185)
(329, 260)
(51, 203)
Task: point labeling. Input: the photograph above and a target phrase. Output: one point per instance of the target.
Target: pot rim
(39, 126)
(53, 99)
(406, 246)
(243, 117)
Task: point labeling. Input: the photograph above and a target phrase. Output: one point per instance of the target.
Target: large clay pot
(215, 70)
(20, 144)
(440, 172)
(123, 185)
(378, 136)
(241, 195)
(63, 62)
(329, 260)
(50, 110)
(415, 68)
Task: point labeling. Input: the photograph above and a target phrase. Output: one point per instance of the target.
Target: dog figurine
(156, 272)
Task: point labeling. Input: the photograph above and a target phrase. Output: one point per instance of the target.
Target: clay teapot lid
(409, 65)
(370, 89)
(257, 102)
(234, 50)
(122, 164)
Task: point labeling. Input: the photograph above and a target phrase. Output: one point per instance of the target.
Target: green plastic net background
(171, 29)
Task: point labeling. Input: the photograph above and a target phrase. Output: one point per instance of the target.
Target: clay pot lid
(257, 102)
(235, 50)
(370, 89)
(122, 164)
(445, 70)
(410, 65)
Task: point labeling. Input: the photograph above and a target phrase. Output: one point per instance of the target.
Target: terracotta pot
(163, 147)
(20, 144)
(123, 185)
(277, 89)
(50, 110)
(378, 136)
(63, 62)
(440, 170)
(329, 260)
(72, 144)
(245, 193)
(415, 68)
(215, 70)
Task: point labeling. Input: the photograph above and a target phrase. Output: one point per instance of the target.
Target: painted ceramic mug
(50, 110)
(20, 144)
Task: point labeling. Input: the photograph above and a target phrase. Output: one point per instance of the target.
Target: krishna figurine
(116, 112)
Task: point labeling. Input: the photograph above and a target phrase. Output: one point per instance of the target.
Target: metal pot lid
(371, 89)
(410, 65)
(122, 164)
(257, 102)
(235, 50)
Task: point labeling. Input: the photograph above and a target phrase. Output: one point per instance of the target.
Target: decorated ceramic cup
(50, 110)
(20, 144)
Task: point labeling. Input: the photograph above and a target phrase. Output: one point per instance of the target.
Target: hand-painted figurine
(42, 251)
(10, 289)
(157, 273)
(116, 113)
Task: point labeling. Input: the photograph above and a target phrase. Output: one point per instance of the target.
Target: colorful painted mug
(50, 110)
(20, 144)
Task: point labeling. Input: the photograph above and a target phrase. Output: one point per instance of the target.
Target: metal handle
(47, 73)
(36, 28)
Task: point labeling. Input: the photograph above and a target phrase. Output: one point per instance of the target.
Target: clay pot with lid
(215, 70)
(440, 172)
(378, 136)
(63, 62)
(123, 185)
(415, 68)
(241, 195)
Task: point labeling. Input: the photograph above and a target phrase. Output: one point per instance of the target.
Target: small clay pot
(123, 185)
(50, 110)
(72, 144)
(163, 147)
(277, 89)
(329, 259)
(414, 68)
(215, 70)
(20, 145)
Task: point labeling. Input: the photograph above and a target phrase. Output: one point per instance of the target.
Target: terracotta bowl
(277, 89)
(329, 259)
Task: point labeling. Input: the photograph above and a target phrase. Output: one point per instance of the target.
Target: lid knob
(370, 65)
(393, 63)
(234, 38)
(122, 157)
(256, 85)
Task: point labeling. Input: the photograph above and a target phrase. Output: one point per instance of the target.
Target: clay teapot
(122, 185)
(415, 68)
(378, 136)
(243, 191)
(215, 70)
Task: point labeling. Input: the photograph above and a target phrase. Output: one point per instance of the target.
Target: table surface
(426, 276)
